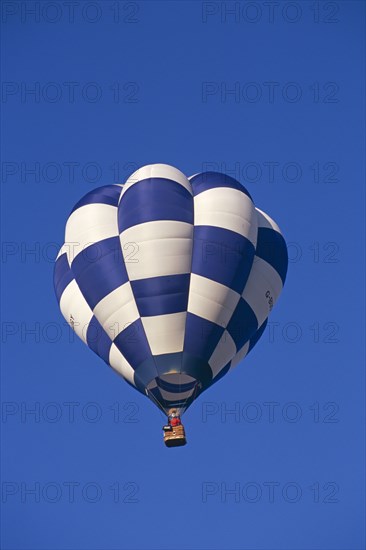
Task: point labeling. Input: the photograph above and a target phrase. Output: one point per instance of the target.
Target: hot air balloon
(170, 280)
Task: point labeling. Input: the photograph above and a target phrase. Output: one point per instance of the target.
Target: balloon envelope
(170, 280)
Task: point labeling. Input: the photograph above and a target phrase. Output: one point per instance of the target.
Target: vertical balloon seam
(147, 391)
(258, 333)
(145, 177)
(233, 184)
(230, 183)
(137, 381)
(196, 387)
(260, 325)
(89, 198)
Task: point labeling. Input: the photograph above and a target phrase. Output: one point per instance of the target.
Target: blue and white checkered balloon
(170, 279)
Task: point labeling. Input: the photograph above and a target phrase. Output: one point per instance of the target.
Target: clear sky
(274, 96)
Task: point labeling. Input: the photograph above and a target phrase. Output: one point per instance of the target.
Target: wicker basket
(175, 437)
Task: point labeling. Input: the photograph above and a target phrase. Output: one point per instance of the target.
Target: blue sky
(273, 96)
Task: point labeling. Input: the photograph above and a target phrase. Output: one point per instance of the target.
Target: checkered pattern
(170, 280)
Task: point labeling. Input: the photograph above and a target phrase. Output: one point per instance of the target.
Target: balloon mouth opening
(172, 391)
